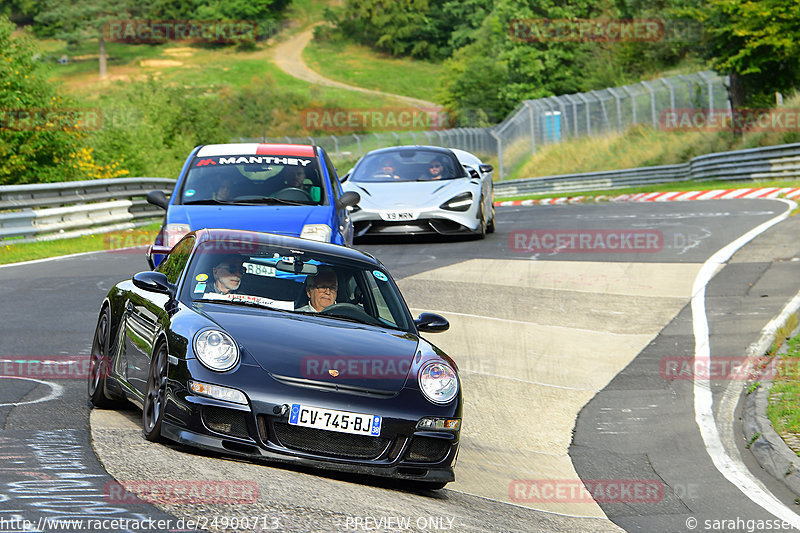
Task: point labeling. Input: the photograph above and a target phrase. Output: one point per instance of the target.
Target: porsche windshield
(248, 179)
(271, 277)
(409, 164)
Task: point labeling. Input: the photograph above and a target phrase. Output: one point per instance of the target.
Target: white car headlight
(462, 202)
(316, 232)
(438, 382)
(216, 350)
(173, 233)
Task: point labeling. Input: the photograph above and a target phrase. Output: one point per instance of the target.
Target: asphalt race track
(567, 324)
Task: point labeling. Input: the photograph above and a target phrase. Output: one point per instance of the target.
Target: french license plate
(332, 420)
(398, 215)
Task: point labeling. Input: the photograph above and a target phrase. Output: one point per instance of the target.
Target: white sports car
(411, 190)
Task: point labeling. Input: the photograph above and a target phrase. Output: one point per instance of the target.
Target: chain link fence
(535, 123)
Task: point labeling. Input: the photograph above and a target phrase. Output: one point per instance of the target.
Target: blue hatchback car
(286, 189)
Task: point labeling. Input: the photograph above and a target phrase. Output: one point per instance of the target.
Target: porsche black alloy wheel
(99, 363)
(155, 395)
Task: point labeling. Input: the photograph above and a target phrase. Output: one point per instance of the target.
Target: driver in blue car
(321, 290)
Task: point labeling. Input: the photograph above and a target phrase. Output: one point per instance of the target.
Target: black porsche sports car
(281, 348)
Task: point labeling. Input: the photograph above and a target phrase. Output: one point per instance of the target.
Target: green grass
(15, 253)
(361, 66)
(784, 401)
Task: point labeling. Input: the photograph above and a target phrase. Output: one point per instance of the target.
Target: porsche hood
(322, 349)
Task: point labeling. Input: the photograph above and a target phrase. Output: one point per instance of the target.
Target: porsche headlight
(316, 232)
(462, 202)
(438, 382)
(216, 350)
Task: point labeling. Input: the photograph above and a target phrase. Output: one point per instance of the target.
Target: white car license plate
(398, 215)
(332, 420)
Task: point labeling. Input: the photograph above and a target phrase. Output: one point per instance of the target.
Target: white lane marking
(56, 391)
(504, 502)
(734, 471)
(465, 371)
(445, 313)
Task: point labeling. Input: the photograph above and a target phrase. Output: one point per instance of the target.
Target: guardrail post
(588, 113)
(633, 101)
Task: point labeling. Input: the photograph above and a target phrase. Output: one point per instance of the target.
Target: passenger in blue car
(321, 290)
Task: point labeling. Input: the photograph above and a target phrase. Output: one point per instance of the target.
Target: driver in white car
(321, 290)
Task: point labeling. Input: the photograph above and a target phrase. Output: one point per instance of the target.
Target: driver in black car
(321, 290)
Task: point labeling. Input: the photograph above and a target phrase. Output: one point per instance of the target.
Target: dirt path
(288, 55)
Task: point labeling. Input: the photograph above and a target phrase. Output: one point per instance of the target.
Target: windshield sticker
(189, 192)
(263, 160)
(247, 298)
(200, 287)
(380, 275)
(260, 270)
(201, 277)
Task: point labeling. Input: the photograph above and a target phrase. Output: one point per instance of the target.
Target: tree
(78, 20)
(37, 138)
(756, 43)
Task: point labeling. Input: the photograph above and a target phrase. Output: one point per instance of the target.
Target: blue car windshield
(248, 180)
(260, 275)
(407, 164)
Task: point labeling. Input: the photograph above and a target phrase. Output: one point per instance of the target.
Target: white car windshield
(407, 164)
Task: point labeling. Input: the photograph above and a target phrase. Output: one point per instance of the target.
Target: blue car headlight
(316, 232)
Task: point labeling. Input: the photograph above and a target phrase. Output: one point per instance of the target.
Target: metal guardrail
(770, 162)
(59, 210)
(50, 211)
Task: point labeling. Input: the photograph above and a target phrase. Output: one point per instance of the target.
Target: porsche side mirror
(153, 282)
(486, 168)
(431, 323)
(158, 198)
(348, 199)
